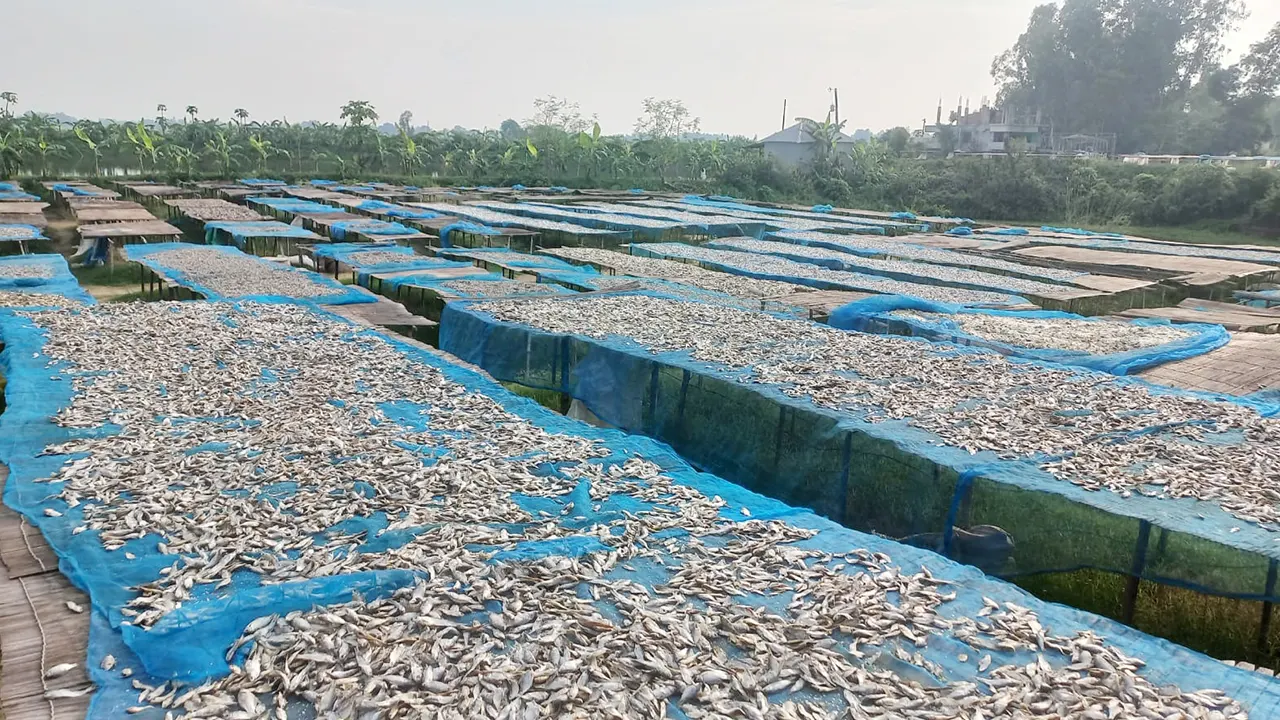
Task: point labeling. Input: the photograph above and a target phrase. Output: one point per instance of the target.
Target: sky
(475, 63)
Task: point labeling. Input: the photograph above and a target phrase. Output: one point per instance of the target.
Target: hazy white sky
(476, 62)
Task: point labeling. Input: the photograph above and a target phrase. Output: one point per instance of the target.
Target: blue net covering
(600, 282)
(486, 285)
(930, 443)
(9, 187)
(295, 206)
(397, 211)
(817, 276)
(75, 190)
(221, 272)
(256, 182)
(1005, 231)
(1079, 231)
(20, 233)
(354, 188)
(557, 495)
(511, 259)
(17, 195)
(466, 227)
(239, 232)
(947, 323)
(380, 257)
(33, 281)
(340, 229)
(731, 205)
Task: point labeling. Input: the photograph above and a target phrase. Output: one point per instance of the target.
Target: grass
(1206, 232)
(550, 399)
(124, 273)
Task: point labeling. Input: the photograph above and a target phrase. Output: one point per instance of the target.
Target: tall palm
(241, 115)
(10, 99)
(192, 111)
(161, 119)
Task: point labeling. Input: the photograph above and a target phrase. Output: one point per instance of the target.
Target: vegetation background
(1148, 70)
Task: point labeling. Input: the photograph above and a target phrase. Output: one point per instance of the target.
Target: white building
(794, 147)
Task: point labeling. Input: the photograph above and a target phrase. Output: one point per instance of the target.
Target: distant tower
(939, 120)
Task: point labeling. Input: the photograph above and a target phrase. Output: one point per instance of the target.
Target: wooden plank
(1248, 364)
(1186, 268)
(383, 313)
(23, 549)
(1231, 321)
(38, 631)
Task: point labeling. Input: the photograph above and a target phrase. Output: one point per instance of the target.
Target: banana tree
(180, 159)
(83, 136)
(265, 150)
(144, 144)
(43, 149)
(12, 145)
(591, 150)
(222, 152)
(826, 138)
(410, 153)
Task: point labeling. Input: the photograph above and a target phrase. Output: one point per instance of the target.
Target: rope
(44, 685)
(27, 542)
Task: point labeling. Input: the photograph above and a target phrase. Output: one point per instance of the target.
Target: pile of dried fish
(497, 287)
(381, 257)
(1097, 337)
(679, 216)
(214, 210)
(726, 283)
(15, 232)
(783, 220)
(923, 270)
(13, 271)
(1100, 432)
(231, 274)
(499, 219)
(778, 266)
(902, 248)
(552, 212)
(17, 298)
(277, 442)
(1182, 249)
(675, 289)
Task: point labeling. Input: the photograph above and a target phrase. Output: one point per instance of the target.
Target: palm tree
(192, 111)
(163, 121)
(9, 99)
(241, 115)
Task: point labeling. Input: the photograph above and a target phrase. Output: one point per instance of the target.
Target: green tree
(12, 146)
(359, 112)
(1119, 66)
(192, 111)
(82, 134)
(665, 119)
(511, 130)
(826, 137)
(897, 140)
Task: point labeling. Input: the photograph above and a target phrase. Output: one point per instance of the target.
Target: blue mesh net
(466, 227)
(591, 281)
(9, 187)
(850, 220)
(800, 274)
(239, 232)
(355, 256)
(255, 182)
(882, 314)
(397, 211)
(54, 279)
(152, 255)
(1079, 231)
(20, 233)
(75, 190)
(294, 206)
(510, 259)
(339, 230)
(473, 286)
(16, 195)
(891, 476)
(193, 641)
(1004, 231)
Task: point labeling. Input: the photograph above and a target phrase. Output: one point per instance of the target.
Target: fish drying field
(278, 508)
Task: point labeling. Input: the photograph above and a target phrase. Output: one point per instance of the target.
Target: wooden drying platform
(819, 303)
(39, 221)
(1248, 364)
(21, 207)
(383, 313)
(125, 212)
(1241, 318)
(144, 229)
(1209, 277)
(37, 630)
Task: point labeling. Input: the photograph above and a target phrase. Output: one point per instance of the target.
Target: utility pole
(784, 114)
(836, 92)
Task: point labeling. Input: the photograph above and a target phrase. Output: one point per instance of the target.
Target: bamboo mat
(1249, 363)
(37, 629)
